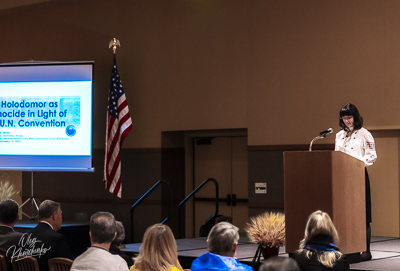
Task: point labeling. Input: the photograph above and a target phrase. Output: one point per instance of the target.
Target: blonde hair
(158, 250)
(320, 223)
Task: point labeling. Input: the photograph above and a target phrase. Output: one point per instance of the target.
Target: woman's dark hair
(350, 110)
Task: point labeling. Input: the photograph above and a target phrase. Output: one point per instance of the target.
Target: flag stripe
(114, 185)
(114, 148)
(119, 124)
(114, 170)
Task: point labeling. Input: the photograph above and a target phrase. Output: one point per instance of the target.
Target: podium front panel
(329, 181)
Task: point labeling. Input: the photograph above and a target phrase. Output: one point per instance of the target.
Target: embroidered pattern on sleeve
(371, 146)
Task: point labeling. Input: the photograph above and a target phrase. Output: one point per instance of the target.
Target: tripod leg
(25, 202)
(36, 203)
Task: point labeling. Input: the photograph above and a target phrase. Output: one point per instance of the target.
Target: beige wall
(384, 177)
(273, 67)
(281, 69)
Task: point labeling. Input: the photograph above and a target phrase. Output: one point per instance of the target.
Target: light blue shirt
(210, 261)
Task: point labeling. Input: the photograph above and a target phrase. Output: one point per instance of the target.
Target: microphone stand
(316, 138)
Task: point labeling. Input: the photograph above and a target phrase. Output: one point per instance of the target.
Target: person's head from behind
(319, 224)
(350, 117)
(8, 212)
(102, 228)
(279, 264)
(50, 211)
(223, 239)
(158, 250)
(120, 237)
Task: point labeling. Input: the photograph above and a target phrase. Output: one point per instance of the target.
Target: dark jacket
(320, 244)
(9, 240)
(313, 264)
(116, 251)
(51, 243)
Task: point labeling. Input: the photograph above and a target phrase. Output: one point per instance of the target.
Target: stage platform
(385, 252)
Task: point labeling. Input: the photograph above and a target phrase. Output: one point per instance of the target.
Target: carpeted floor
(385, 255)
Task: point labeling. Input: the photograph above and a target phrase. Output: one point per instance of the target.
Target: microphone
(326, 132)
(321, 135)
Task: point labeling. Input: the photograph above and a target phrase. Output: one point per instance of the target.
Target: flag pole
(119, 124)
(114, 43)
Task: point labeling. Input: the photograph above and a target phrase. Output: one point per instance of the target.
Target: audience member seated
(116, 244)
(318, 250)
(9, 238)
(222, 242)
(158, 251)
(279, 264)
(102, 232)
(53, 244)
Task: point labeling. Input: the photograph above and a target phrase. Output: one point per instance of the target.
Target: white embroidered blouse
(359, 144)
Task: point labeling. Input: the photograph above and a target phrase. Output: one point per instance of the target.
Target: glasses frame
(347, 118)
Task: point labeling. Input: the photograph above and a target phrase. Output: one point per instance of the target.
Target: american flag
(119, 124)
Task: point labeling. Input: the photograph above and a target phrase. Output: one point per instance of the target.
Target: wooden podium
(330, 181)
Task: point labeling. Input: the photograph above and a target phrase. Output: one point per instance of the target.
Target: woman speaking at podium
(358, 142)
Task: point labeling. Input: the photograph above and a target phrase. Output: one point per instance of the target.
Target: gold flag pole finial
(114, 43)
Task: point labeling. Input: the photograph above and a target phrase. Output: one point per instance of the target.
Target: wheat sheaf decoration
(6, 190)
(268, 228)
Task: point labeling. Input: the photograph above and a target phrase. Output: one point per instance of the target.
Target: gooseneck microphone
(323, 134)
(326, 132)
